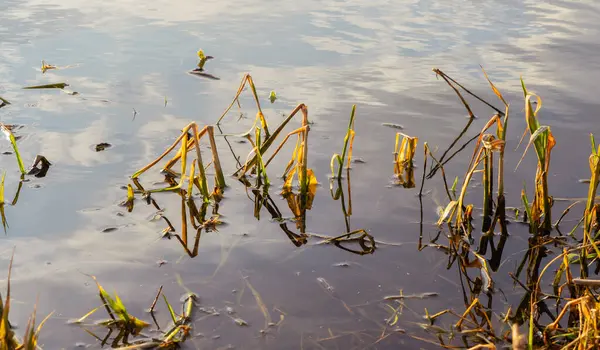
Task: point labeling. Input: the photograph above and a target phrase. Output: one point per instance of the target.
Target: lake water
(133, 55)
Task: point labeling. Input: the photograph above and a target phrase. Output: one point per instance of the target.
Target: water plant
(128, 325)
(404, 153)
(297, 167)
(539, 212)
(348, 142)
(187, 144)
(478, 326)
(202, 59)
(11, 138)
(8, 338)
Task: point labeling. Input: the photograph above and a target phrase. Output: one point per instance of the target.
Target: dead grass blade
(261, 305)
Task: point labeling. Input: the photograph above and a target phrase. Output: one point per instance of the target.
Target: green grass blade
(9, 135)
(84, 317)
(171, 312)
(346, 139)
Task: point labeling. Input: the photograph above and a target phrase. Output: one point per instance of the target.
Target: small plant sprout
(119, 316)
(128, 203)
(202, 60)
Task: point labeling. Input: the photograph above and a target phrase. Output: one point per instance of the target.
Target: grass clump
(8, 338)
(127, 325)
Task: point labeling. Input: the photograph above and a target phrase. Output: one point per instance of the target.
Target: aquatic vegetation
(404, 153)
(128, 325)
(128, 203)
(46, 66)
(573, 323)
(47, 86)
(348, 142)
(260, 117)
(297, 167)
(591, 217)
(119, 317)
(8, 339)
(40, 166)
(539, 212)
(202, 60)
(60, 86)
(11, 138)
(341, 196)
(502, 127)
(187, 145)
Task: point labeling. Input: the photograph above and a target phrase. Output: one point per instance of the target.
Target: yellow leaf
(312, 179)
(446, 215)
(288, 180)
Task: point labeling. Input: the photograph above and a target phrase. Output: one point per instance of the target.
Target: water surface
(131, 55)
